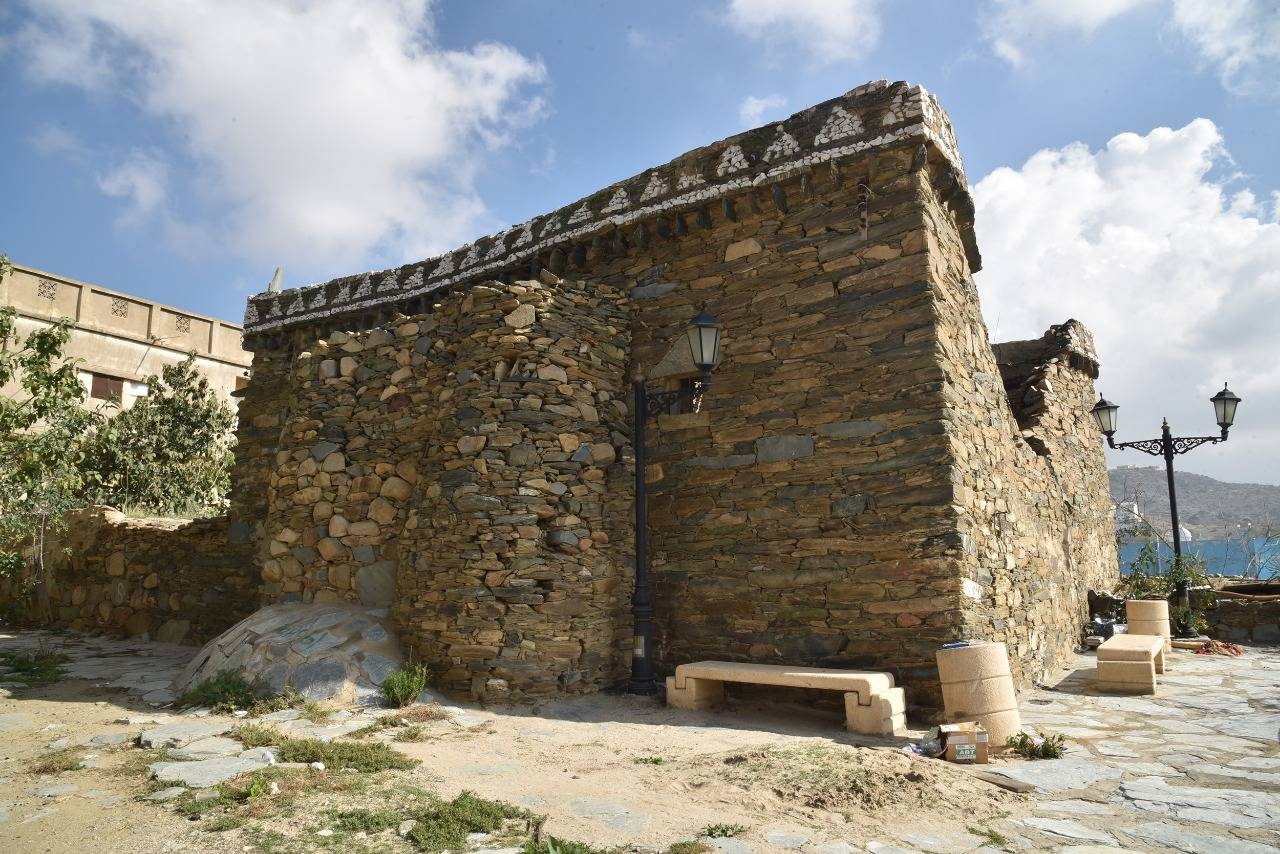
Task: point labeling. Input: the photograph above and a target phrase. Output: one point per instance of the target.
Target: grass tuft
(689, 848)
(224, 693)
(256, 735)
(34, 668)
(995, 837)
(57, 761)
(648, 760)
(416, 732)
(403, 685)
(722, 831)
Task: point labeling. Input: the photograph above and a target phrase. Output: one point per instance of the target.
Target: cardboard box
(965, 743)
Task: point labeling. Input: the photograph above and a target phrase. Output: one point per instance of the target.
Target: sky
(1121, 153)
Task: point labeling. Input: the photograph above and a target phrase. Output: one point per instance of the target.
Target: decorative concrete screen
(864, 481)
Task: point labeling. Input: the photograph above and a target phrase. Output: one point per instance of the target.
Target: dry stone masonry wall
(856, 487)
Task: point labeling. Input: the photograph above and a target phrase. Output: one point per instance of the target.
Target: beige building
(123, 339)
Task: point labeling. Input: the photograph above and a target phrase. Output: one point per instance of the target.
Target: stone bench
(1130, 663)
(872, 705)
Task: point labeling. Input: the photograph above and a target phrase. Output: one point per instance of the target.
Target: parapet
(1025, 366)
(873, 116)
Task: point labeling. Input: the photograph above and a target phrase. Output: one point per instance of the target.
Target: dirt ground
(1194, 769)
(609, 771)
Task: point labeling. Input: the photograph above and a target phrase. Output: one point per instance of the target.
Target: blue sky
(182, 151)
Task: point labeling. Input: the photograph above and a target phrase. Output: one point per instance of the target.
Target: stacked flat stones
(324, 652)
(464, 465)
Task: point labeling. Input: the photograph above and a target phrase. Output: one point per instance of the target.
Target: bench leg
(1138, 677)
(696, 694)
(885, 715)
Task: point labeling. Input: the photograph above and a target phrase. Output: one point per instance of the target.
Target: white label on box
(966, 751)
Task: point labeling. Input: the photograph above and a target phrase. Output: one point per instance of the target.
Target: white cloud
(827, 30)
(142, 181)
(752, 111)
(1240, 37)
(1176, 273)
(337, 131)
(1015, 26)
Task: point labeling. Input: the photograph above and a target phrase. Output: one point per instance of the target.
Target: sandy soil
(769, 769)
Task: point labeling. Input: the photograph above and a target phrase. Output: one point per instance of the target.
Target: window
(103, 387)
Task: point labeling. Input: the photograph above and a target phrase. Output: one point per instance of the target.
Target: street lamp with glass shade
(1105, 414)
(1167, 446)
(704, 342)
(703, 337)
(1224, 408)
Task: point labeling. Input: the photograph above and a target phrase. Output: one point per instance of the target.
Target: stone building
(866, 478)
(124, 339)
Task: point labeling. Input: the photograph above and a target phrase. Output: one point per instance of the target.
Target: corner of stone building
(1032, 508)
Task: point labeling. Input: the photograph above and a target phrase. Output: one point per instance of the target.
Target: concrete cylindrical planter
(1148, 617)
(978, 686)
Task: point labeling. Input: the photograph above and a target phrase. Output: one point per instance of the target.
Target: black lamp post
(1224, 410)
(704, 345)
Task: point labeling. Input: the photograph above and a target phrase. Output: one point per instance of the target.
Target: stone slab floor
(1194, 769)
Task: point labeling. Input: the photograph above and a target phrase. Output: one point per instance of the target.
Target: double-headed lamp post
(1167, 446)
(704, 345)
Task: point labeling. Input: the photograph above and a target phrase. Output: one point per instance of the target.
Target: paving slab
(204, 772)
(183, 733)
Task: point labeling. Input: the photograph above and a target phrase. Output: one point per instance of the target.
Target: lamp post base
(643, 687)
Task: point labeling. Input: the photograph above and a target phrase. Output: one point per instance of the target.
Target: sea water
(1221, 557)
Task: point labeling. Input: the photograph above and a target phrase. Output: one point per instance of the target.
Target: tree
(43, 433)
(170, 452)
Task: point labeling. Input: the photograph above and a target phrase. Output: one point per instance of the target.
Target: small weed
(416, 732)
(690, 848)
(337, 755)
(648, 760)
(225, 693)
(223, 823)
(995, 837)
(256, 735)
(34, 668)
(403, 685)
(137, 762)
(57, 761)
(551, 845)
(314, 712)
(722, 831)
(1052, 746)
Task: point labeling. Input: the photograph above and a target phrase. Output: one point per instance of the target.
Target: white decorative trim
(657, 187)
(839, 125)
(620, 201)
(733, 160)
(784, 145)
(917, 114)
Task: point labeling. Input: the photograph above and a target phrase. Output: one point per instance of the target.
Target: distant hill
(1208, 507)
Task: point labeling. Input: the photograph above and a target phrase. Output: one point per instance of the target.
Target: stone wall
(1245, 621)
(1033, 527)
(465, 466)
(854, 489)
(174, 581)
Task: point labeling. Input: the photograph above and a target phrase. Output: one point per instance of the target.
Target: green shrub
(337, 755)
(225, 693)
(403, 685)
(722, 831)
(445, 825)
(1052, 746)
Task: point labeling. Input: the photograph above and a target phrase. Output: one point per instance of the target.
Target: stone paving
(1194, 769)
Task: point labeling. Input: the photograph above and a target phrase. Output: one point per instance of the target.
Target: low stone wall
(172, 580)
(1245, 621)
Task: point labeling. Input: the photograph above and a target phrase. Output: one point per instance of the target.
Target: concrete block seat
(872, 705)
(1130, 663)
